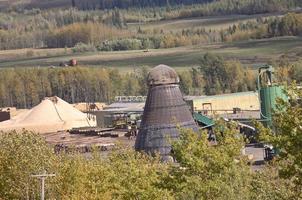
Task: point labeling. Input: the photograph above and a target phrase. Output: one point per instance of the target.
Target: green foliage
(219, 171)
(296, 72)
(59, 28)
(194, 8)
(267, 184)
(208, 171)
(22, 155)
(225, 76)
(186, 82)
(192, 82)
(81, 47)
(27, 87)
(224, 7)
(87, 33)
(124, 174)
(203, 171)
(290, 24)
(137, 176)
(121, 44)
(288, 72)
(286, 136)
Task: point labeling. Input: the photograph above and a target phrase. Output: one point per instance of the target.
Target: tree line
(288, 25)
(104, 30)
(124, 4)
(227, 7)
(36, 28)
(58, 28)
(107, 30)
(205, 6)
(26, 87)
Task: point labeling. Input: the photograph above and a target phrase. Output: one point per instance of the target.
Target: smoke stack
(165, 111)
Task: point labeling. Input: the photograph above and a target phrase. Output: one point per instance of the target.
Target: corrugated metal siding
(221, 103)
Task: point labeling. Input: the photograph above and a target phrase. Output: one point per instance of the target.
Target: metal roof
(126, 107)
(223, 96)
(203, 119)
(162, 75)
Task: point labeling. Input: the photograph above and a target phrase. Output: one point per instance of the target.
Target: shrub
(30, 53)
(121, 45)
(81, 47)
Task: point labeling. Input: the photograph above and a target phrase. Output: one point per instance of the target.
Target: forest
(109, 4)
(109, 31)
(26, 87)
(233, 5)
(202, 170)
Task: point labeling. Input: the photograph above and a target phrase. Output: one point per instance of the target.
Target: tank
(165, 111)
(269, 92)
(269, 96)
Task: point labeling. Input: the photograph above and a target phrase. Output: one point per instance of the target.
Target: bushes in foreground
(124, 174)
(203, 171)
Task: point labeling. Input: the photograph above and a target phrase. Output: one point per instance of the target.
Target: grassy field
(251, 53)
(248, 52)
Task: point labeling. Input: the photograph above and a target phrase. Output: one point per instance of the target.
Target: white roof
(126, 107)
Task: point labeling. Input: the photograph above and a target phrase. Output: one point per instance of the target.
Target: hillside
(96, 4)
(223, 6)
(212, 22)
(250, 53)
(28, 4)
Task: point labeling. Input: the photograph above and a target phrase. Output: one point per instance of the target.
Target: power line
(43, 176)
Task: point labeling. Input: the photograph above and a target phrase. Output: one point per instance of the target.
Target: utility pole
(43, 176)
(139, 17)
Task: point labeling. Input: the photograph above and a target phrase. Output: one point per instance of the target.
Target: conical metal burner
(165, 112)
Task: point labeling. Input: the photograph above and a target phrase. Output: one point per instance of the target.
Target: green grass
(250, 53)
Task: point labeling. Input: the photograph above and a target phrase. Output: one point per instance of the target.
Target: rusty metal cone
(165, 112)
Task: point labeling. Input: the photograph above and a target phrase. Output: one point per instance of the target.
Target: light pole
(43, 176)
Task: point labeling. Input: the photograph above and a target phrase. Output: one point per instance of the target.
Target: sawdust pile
(51, 115)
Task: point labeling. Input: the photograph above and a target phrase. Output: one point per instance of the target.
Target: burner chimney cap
(162, 75)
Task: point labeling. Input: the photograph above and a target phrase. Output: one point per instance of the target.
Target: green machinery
(269, 92)
(203, 120)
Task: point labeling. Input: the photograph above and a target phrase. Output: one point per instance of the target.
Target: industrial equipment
(165, 111)
(203, 120)
(4, 115)
(269, 91)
